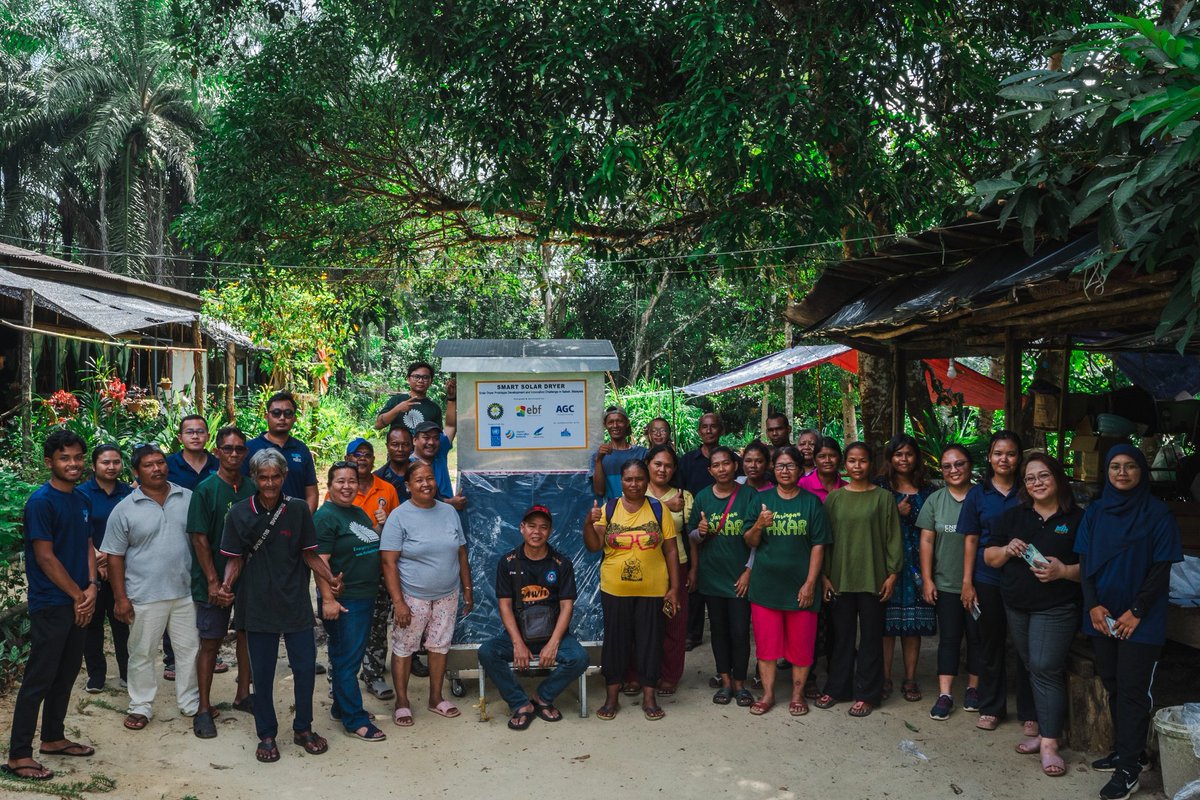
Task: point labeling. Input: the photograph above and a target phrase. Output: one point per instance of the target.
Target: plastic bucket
(1175, 750)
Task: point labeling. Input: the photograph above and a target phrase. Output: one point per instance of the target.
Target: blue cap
(357, 443)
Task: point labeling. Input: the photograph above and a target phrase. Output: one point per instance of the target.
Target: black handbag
(536, 623)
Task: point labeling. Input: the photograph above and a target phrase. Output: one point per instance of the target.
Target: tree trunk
(789, 380)
(920, 407)
(988, 418)
(875, 395)
(849, 415)
(641, 359)
(103, 205)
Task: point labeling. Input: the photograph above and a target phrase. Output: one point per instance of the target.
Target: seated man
(535, 591)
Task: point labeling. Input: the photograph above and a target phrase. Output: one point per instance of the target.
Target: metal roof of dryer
(526, 355)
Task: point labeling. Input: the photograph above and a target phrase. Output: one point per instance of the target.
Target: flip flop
(911, 691)
(402, 717)
(861, 708)
(1031, 728)
(267, 751)
(607, 712)
(546, 711)
(760, 707)
(653, 713)
(370, 733)
(1053, 766)
(135, 722)
(521, 720)
(888, 686)
(314, 744)
(445, 709)
(797, 708)
(72, 749)
(203, 726)
(826, 701)
(666, 689)
(987, 722)
(631, 689)
(221, 668)
(17, 772)
(1030, 746)
(744, 698)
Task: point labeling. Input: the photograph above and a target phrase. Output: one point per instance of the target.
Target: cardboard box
(1088, 452)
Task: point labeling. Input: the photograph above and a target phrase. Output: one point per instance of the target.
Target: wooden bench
(464, 658)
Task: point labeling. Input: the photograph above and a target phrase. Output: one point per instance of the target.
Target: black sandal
(521, 720)
(267, 751)
(723, 696)
(744, 698)
(245, 705)
(313, 744)
(546, 711)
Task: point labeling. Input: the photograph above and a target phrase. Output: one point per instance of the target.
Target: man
(193, 463)
(60, 573)
(211, 501)
(779, 430)
(612, 455)
(150, 567)
(535, 591)
(806, 443)
(378, 498)
(272, 540)
(414, 407)
(301, 479)
(431, 445)
(399, 451)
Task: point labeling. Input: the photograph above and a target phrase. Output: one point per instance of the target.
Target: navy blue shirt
(441, 467)
(62, 518)
(102, 505)
(302, 472)
(398, 481)
(180, 473)
(981, 508)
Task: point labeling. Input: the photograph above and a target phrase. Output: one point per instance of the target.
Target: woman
(942, 581)
(824, 479)
(720, 517)
(658, 433)
(424, 555)
(907, 615)
(1127, 543)
(756, 466)
(104, 489)
(1033, 546)
(790, 534)
(981, 584)
(806, 443)
(639, 585)
(860, 576)
(663, 464)
(349, 543)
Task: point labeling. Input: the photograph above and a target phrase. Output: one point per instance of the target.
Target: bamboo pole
(199, 385)
(26, 368)
(230, 382)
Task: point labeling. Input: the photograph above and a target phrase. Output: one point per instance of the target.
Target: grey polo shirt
(154, 541)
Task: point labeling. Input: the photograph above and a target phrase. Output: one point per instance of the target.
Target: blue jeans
(264, 653)
(347, 643)
(495, 656)
(1043, 640)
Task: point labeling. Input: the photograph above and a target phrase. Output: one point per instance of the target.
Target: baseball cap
(534, 510)
(426, 425)
(357, 443)
(615, 410)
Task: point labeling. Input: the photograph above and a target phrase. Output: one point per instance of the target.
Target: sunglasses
(946, 467)
(344, 465)
(282, 413)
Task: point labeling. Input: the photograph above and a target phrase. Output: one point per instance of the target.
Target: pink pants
(784, 634)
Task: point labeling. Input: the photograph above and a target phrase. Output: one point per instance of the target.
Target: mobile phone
(976, 611)
(1112, 625)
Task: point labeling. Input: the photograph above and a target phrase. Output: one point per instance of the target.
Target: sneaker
(94, 685)
(1111, 761)
(380, 689)
(124, 684)
(942, 708)
(420, 668)
(1122, 784)
(971, 699)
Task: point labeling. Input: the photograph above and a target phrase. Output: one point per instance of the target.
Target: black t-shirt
(1053, 537)
(693, 472)
(547, 581)
(273, 592)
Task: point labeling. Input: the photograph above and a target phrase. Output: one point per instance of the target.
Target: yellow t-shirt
(633, 564)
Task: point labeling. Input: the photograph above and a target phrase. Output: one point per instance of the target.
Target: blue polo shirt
(441, 467)
(302, 472)
(102, 505)
(982, 506)
(398, 481)
(612, 464)
(64, 519)
(180, 472)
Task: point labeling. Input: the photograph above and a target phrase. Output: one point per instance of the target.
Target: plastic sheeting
(495, 503)
(1163, 375)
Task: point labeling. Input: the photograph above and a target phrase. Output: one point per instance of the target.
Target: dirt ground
(698, 750)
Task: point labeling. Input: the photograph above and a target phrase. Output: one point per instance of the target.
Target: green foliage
(14, 491)
(940, 426)
(1118, 132)
(646, 400)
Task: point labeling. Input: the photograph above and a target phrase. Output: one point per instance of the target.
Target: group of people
(808, 549)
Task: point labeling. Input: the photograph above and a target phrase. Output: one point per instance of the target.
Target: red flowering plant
(62, 404)
(113, 391)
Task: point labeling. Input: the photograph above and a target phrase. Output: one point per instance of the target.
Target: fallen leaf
(219, 766)
(911, 727)
(582, 758)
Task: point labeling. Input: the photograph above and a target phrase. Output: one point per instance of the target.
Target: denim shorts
(212, 621)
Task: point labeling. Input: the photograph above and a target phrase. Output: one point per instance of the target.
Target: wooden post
(1012, 380)
(198, 382)
(1064, 388)
(899, 386)
(230, 382)
(766, 402)
(25, 368)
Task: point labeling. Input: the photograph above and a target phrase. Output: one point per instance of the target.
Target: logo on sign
(566, 433)
(495, 432)
(528, 411)
(508, 434)
(564, 409)
(495, 411)
(538, 431)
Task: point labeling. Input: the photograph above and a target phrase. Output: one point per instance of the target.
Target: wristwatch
(1137, 611)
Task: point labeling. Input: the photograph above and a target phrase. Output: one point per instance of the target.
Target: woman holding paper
(1033, 546)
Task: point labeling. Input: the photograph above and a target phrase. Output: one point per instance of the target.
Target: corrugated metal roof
(526, 355)
(776, 365)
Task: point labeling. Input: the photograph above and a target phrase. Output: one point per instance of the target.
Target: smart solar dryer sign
(531, 415)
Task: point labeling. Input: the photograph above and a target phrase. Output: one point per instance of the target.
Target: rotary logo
(495, 411)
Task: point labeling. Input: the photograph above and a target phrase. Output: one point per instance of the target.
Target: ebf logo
(564, 409)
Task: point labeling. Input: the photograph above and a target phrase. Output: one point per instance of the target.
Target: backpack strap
(657, 508)
(610, 507)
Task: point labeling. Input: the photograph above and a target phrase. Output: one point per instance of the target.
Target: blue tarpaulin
(1163, 375)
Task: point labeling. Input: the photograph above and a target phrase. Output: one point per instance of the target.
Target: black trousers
(1127, 671)
(729, 624)
(955, 622)
(633, 629)
(55, 654)
(856, 672)
(993, 679)
(695, 628)
(93, 647)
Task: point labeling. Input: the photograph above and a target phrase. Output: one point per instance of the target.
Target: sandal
(135, 722)
(1053, 766)
(826, 701)
(203, 726)
(1031, 728)
(723, 696)
(760, 707)
(267, 751)
(221, 668)
(369, 733)
(653, 713)
(631, 689)
(811, 692)
(72, 749)
(402, 717)
(744, 698)
(521, 720)
(313, 744)
(912, 691)
(245, 705)
(445, 709)
(546, 711)
(861, 708)
(887, 688)
(27, 772)
(607, 712)
(987, 722)
(1029, 746)
(666, 689)
(797, 708)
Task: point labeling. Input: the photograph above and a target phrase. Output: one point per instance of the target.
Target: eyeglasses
(150, 445)
(1041, 477)
(282, 413)
(947, 467)
(1124, 467)
(230, 449)
(195, 431)
(420, 376)
(786, 467)
(344, 465)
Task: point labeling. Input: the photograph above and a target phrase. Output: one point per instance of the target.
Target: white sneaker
(380, 689)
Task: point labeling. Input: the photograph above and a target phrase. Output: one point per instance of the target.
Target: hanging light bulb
(951, 371)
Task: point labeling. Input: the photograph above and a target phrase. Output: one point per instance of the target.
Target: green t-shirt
(346, 536)
(723, 556)
(940, 515)
(866, 540)
(781, 560)
(424, 411)
(211, 500)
